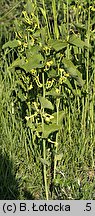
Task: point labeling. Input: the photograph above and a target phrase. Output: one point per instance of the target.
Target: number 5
(88, 206)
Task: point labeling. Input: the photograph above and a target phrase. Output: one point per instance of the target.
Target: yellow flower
(62, 79)
(46, 49)
(27, 118)
(33, 71)
(49, 63)
(66, 74)
(30, 87)
(57, 90)
(80, 7)
(48, 117)
(49, 83)
(61, 70)
(92, 8)
(25, 44)
(19, 42)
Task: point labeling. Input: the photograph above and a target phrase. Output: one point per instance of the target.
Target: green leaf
(72, 70)
(18, 63)
(31, 125)
(68, 84)
(48, 129)
(41, 35)
(74, 40)
(53, 93)
(37, 33)
(45, 103)
(77, 92)
(63, 30)
(60, 118)
(39, 128)
(57, 44)
(35, 61)
(43, 12)
(34, 50)
(80, 26)
(12, 44)
(52, 73)
(29, 7)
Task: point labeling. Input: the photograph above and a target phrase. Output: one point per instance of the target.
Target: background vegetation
(47, 99)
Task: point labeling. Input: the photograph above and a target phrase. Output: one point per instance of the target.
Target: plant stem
(35, 1)
(57, 122)
(45, 15)
(44, 142)
(88, 40)
(55, 161)
(56, 32)
(67, 29)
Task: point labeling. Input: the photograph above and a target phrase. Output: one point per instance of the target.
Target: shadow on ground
(8, 183)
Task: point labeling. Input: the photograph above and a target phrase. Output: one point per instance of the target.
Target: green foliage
(74, 40)
(12, 44)
(58, 45)
(48, 129)
(72, 70)
(45, 103)
(48, 84)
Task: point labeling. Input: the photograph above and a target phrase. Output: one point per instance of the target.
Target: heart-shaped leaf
(48, 129)
(73, 71)
(12, 44)
(45, 103)
(57, 44)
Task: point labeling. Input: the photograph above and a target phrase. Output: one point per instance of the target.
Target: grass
(60, 165)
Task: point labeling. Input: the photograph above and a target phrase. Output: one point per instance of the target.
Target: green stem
(55, 161)
(45, 14)
(69, 126)
(92, 121)
(88, 41)
(44, 143)
(56, 32)
(83, 119)
(67, 29)
(35, 1)
(57, 122)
